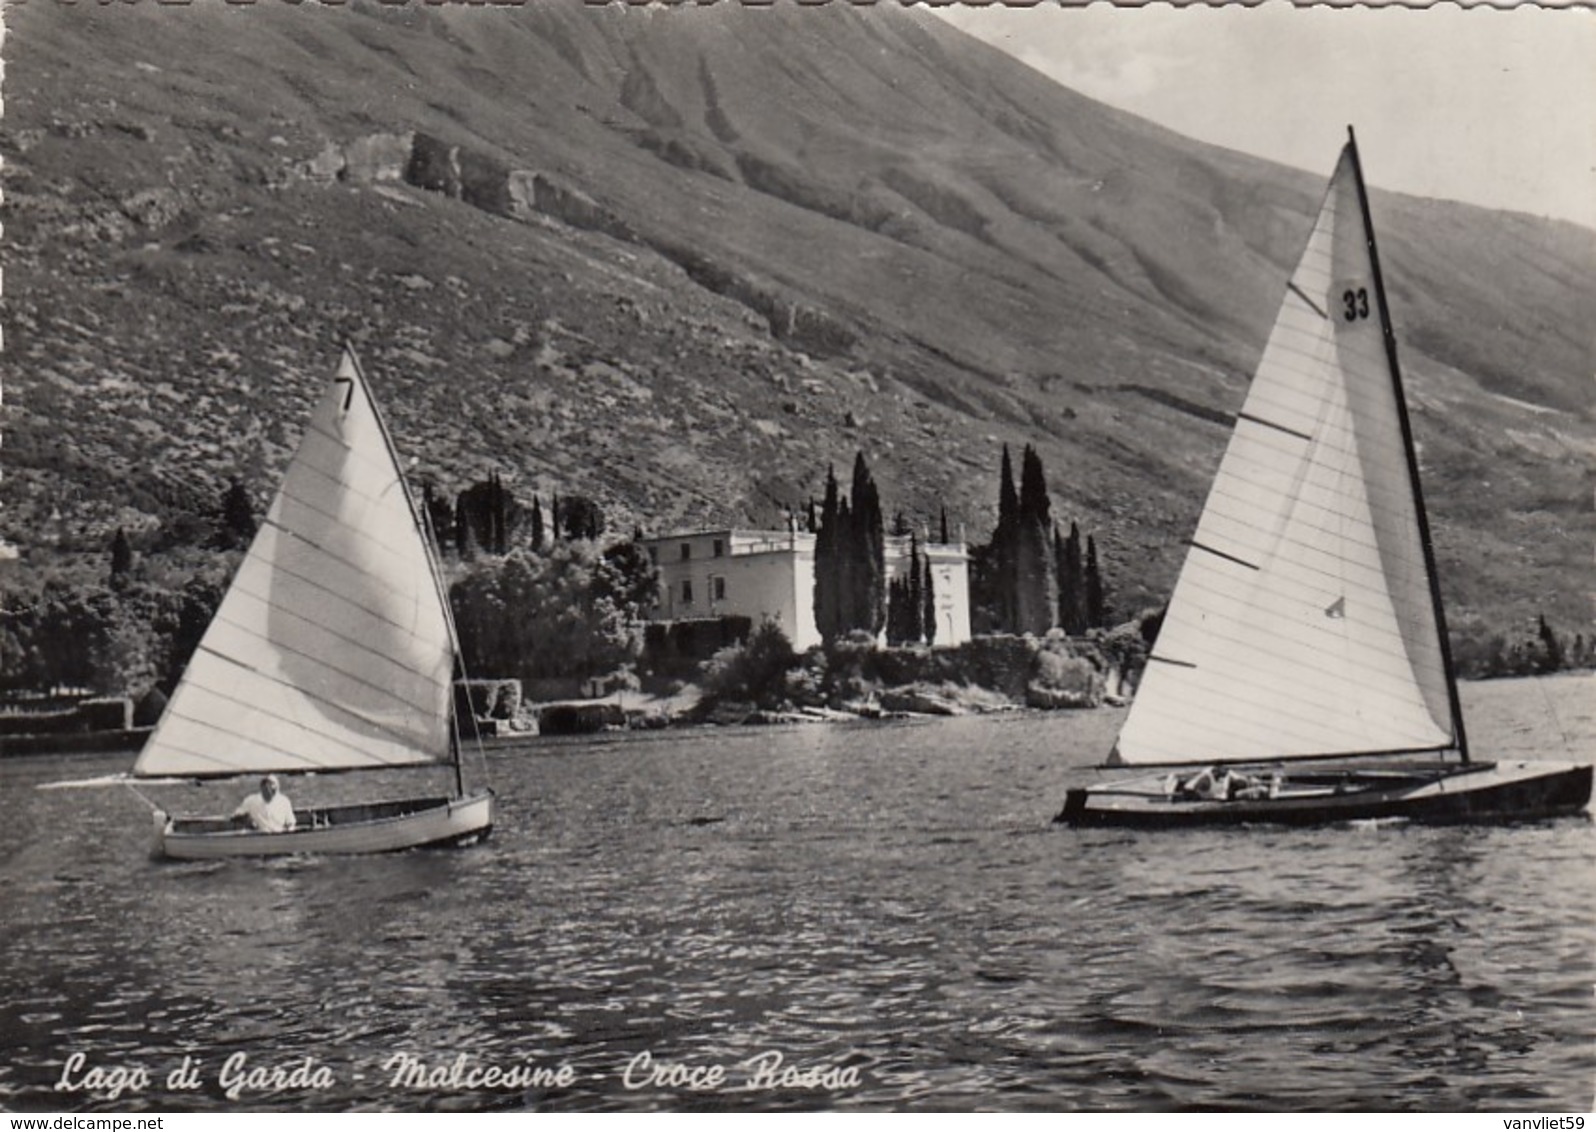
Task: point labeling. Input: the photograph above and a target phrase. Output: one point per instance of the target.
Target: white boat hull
(382, 827)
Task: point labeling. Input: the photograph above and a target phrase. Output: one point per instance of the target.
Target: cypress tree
(1072, 585)
(1060, 559)
(1033, 503)
(845, 569)
(493, 513)
(464, 544)
(945, 539)
(1035, 569)
(465, 539)
(827, 593)
(554, 518)
(896, 603)
(1004, 548)
(121, 558)
(1096, 602)
(914, 621)
(502, 505)
(487, 514)
(870, 550)
(1008, 499)
(1552, 658)
(467, 527)
(238, 515)
(928, 598)
(537, 524)
(440, 517)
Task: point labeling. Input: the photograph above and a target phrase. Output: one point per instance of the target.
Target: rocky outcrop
(1057, 699)
(475, 178)
(484, 182)
(325, 167)
(919, 700)
(153, 208)
(543, 195)
(434, 166)
(377, 158)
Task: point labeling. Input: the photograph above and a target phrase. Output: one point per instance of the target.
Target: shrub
(580, 719)
(1064, 682)
(755, 672)
(849, 664)
(805, 685)
(535, 615)
(147, 712)
(488, 699)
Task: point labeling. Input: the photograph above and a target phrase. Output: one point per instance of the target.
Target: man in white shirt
(269, 811)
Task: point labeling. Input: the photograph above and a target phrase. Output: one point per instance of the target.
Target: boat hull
(380, 827)
(1457, 794)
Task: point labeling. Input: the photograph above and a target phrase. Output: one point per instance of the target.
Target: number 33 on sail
(1301, 673)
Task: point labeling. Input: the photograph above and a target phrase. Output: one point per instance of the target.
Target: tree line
(538, 594)
(487, 518)
(1537, 651)
(855, 592)
(132, 630)
(531, 598)
(1030, 577)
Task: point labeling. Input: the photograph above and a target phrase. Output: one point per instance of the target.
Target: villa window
(687, 551)
(718, 589)
(687, 591)
(720, 548)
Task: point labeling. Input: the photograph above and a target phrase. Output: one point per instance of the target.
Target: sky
(1494, 107)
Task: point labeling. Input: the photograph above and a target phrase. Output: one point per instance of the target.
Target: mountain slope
(681, 258)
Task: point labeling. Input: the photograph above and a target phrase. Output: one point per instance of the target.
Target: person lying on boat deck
(269, 811)
(1215, 785)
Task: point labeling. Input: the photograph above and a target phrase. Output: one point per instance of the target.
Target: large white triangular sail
(332, 648)
(1303, 622)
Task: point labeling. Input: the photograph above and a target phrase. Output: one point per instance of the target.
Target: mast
(423, 526)
(1408, 452)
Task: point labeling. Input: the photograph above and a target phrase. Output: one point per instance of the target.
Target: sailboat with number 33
(332, 650)
(1301, 673)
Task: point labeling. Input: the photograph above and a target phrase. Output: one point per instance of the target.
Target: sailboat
(332, 650)
(1301, 673)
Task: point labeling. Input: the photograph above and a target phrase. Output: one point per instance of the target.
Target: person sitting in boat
(1248, 787)
(1209, 784)
(269, 811)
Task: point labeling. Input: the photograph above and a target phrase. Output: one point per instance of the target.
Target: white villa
(760, 574)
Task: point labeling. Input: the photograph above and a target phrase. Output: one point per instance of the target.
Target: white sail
(332, 648)
(1303, 621)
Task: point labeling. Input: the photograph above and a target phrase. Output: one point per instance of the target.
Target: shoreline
(129, 741)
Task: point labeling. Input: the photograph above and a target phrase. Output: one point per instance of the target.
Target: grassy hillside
(678, 259)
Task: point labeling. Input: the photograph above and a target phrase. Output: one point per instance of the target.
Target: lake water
(886, 906)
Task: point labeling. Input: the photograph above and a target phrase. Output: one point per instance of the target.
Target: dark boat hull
(1453, 794)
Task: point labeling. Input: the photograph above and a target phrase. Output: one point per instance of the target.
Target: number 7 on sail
(332, 649)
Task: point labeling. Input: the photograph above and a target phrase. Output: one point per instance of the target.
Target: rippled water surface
(888, 902)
